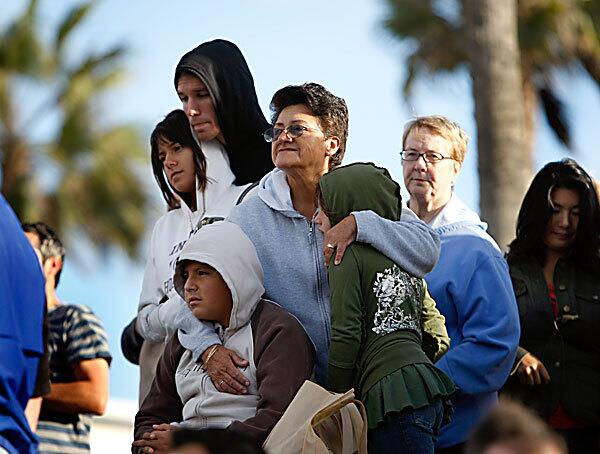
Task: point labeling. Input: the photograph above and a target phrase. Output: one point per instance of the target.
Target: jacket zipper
(314, 245)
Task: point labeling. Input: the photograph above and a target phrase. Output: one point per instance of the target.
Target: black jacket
(224, 71)
(568, 346)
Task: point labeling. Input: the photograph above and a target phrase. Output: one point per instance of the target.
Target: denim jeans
(409, 432)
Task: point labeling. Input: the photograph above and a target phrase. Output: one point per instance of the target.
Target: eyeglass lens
(428, 156)
(272, 134)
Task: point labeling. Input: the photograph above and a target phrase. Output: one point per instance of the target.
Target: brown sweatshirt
(284, 358)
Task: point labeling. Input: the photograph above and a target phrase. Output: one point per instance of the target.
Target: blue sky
(337, 43)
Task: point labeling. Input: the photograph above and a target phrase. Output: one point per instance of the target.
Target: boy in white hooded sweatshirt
(220, 277)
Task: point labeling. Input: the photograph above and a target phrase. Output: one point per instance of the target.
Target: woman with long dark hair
(198, 186)
(555, 269)
(174, 134)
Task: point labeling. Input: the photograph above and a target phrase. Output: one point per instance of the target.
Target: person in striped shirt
(78, 355)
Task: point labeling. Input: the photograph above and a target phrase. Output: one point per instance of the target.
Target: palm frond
(75, 136)
(411, 19)
(95, 63)
(93, 76)
(413, 71)
(106, 201)
(72, 19)
(21, 50)
(86, 179)
(437, 44)
(586, 41)
(556, 115)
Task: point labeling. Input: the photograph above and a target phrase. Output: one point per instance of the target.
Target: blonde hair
(443, 127)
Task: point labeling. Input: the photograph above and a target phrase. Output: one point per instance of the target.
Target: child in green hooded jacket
(378, 322)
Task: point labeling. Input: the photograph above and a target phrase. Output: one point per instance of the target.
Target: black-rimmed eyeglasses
(429, 156)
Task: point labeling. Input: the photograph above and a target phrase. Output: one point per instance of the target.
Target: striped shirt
(75, 334)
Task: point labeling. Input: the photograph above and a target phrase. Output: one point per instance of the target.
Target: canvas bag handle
(357, 415)
(351, 415)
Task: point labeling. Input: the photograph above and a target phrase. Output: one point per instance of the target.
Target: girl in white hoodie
(197, 185)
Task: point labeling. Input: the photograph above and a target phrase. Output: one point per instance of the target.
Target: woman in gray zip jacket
(308, 138)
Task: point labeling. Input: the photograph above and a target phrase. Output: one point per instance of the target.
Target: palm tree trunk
(504, 162)
(531, 103)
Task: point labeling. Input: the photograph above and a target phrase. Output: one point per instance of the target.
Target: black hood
(224, 71)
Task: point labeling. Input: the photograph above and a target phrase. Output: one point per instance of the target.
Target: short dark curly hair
(331, 111)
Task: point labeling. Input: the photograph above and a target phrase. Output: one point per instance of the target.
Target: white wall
(113, 432)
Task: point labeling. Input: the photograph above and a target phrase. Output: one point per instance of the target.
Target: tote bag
(320, 422)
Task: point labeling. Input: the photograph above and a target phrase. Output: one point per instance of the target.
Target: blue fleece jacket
(22, 298)
(290, 250)
(472, 289)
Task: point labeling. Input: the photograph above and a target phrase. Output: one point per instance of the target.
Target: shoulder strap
(210, 220)
(245, 193)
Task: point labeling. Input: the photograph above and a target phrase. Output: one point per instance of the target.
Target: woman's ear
(457, 168)
(333, 145)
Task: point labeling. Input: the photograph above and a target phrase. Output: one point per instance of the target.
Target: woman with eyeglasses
(555, 269)
(470, 284)
(203, 160)
(308, 138)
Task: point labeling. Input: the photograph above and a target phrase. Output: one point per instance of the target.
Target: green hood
(358, 187)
